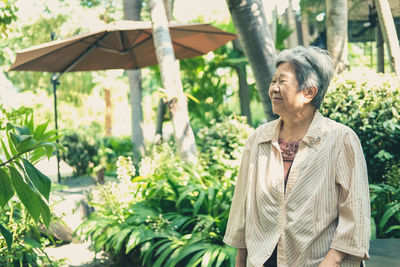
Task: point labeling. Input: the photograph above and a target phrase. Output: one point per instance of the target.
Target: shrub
(79, 153)
(23, 144)
(111, 148)
(369, 104)
(173, 213)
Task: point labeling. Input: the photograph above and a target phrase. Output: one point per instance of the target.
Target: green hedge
(369, 103)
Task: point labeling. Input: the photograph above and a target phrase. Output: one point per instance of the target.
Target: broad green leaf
(25, 194)
(393, 228)
(389, 212)
(40, 129)
(7, 236)
(26, 142)
(373, 229)
(5, 150)
(23, 130)
(221, 258)
(37, 154)
(189, 249)
(6, 191)
(15, 139)
(166, 254)
(148, 253)
(11, 146)
(196, 259)
(119, 239)
(45, 212)
(40, 181)
(206, 259)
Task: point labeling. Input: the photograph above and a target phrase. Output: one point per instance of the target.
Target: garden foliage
(385, 211)
(369, 104)
(86, 155)
(24, 190)
(173, 213)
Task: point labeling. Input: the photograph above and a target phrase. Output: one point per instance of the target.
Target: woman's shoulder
(339, 129)
(264, 131)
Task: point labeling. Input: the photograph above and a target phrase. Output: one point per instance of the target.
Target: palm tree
(162, 108)
(387, 26)
(170, 76)
(336, 32)
(254, 35)
(132, 10)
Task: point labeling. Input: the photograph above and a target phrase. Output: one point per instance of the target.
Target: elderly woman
(301, 198)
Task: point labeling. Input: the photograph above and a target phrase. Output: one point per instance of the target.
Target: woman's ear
(310, 93)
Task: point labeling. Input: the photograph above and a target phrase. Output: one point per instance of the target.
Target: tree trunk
(380, 51)
(171, 79)
(244, 94)
(293, 39)
(108, 122)
(169, 7)
(336, 32)
(162, 108)
(254, 35)
(305, 30)
(132, 10)
(389, 33)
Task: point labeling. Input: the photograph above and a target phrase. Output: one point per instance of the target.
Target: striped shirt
(325, 204)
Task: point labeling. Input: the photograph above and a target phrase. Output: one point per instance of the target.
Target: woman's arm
(241, 257)
(333, 258)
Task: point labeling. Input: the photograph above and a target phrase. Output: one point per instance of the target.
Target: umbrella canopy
(121, 45)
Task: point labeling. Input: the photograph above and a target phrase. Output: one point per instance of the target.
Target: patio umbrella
(120, 45)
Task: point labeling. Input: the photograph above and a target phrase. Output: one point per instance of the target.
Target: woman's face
(283, 91)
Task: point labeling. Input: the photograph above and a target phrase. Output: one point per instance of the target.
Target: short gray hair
(313, 67)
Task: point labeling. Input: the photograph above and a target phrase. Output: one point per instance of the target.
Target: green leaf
(26, 142)
(119, 239)
(11, 145)
(166, 253)
(373, 229)
(41, 181)
(32, 242)
(7, 236)
(40, 129)
(5, 150)
(189, 249)
(393, 228)
(389, 212)
(23, 130)
(45, 212)
(6, 190)
(25, 194)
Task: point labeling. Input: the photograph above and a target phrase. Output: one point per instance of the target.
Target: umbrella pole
(55, 82)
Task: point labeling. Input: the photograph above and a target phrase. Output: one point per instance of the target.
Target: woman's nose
(274, 87)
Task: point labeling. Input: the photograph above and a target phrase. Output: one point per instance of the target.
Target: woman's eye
(273, 81)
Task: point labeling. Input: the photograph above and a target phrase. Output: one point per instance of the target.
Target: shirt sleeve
(354, 225)
(235, 229)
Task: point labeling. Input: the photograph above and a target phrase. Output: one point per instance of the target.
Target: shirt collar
(312, 137)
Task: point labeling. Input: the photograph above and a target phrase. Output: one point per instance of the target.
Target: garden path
(66, 202)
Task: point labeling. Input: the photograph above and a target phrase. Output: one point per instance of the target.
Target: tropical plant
(27, 248)
(110, 148)
(173, 213)
(23, 144)
(385, 211)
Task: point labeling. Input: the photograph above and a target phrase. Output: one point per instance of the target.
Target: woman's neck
(294, 128)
